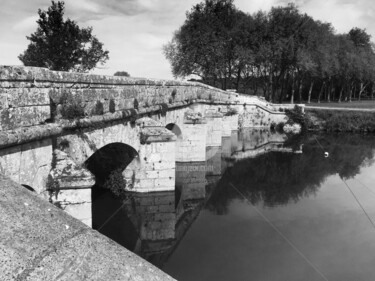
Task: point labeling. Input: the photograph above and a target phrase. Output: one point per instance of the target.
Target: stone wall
(31, 96)
(41, 242)
(31, 101)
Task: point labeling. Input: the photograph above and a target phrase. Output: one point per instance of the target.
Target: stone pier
(214, 131)
(154, 168)
(192, 145)
(191, 179)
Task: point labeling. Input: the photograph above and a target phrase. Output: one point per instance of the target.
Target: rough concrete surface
(40, 242)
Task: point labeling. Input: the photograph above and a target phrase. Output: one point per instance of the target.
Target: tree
(121, 73)
(205, 45)
(60, 44)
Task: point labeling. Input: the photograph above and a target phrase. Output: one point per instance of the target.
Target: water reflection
(280, 178)
(155, 225)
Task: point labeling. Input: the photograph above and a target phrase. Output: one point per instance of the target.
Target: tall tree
(205, 45)
(60, 44)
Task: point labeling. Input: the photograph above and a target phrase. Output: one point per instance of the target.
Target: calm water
(270, 216)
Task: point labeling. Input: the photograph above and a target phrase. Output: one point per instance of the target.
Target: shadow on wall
(174, 128)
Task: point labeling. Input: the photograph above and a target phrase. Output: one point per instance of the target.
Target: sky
(134, 31)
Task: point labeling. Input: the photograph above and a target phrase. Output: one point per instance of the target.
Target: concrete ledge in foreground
(41, 242)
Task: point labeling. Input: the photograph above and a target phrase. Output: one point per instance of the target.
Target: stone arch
(174, 128)
(110, 157)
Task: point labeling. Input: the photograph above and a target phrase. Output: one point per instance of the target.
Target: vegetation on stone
(72, 107)
(231, 111)
(112, 106)
(116, 182)
(98, 109)
(60, 44)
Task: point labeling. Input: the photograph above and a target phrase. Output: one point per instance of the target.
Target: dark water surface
(276, 216)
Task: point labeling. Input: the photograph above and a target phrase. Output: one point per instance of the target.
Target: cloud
(27, 25)
(134, 31)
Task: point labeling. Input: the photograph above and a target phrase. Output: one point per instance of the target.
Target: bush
(296, 115)
(174, 92)
(98, 109)
(231, 111)
(345, 121)
(71, 106)
(136, 104)
(116, 183)
(112, 106)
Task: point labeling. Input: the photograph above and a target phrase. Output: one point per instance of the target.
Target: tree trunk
(340, 96)
(271, 88)
(300, 90)
(292, 95)
(321, 91)
(310, 91)
(350, 92)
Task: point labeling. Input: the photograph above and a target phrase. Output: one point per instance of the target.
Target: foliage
(112, 106)
(163, 109)
(98, 109)
(72, 106)
(60, 44)
(281, 54)
(231, 111)
(279, 178)
(116, 183)
(174, 92)
(345, 121)
(136, 104)
(121, 73)
(296, 115)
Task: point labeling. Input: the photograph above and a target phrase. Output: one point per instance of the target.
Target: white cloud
(134, 31)
(27, 25)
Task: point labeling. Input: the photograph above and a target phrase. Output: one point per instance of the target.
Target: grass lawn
(365, 104)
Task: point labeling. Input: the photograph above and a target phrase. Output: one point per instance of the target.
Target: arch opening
(114, 156)
(174, 128)
(108, 195)
(28, 187)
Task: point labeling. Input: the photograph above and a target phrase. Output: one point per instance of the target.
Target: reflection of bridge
(163, 218)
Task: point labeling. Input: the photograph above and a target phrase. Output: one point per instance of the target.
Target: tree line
(281, 54)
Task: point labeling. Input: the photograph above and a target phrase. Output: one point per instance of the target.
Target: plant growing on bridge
(116, 183)
(98, 109)
(231, 111)
(112, 106)
(72, 107)
(60, 44)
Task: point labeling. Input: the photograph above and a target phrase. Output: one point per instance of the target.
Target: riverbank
(340, 119)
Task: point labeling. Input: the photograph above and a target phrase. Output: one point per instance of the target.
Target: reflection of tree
(280, 178)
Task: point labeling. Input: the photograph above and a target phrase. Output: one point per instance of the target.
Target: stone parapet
(67, 250)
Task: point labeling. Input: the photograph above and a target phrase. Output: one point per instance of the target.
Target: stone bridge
(62, 132)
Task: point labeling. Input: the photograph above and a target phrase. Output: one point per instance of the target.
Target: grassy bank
(341, 121)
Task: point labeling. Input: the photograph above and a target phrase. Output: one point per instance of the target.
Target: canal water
(303, 209)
